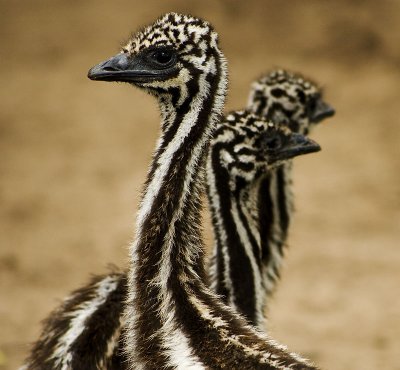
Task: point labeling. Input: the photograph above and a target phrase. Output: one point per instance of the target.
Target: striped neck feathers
(167, 254)
(244, 150)
(244, 155)
(235, 166)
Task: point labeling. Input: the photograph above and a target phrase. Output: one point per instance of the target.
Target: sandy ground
(74, 154)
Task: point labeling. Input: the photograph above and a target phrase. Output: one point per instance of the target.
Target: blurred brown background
(74, 155)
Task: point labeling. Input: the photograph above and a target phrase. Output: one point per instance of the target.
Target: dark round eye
(163, 57)
(302, 96)
(312, 104)
(273, 142)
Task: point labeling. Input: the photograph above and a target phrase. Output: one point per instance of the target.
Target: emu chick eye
(269, 143)
(162, 56)
(312, 104)
(273, 143)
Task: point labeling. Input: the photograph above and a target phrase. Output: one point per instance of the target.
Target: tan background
(74, 154)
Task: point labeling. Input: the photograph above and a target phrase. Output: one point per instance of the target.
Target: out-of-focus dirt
(74, 155)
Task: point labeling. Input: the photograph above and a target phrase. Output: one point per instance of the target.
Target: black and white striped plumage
(296, 102)
(243, 141)
(173, 319)
(246, 264)
(85, 331)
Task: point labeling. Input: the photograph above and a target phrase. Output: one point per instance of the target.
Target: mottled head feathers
(289, 99)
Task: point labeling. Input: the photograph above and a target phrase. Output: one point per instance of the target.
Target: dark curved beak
(322, 110)
(297, 144)
(124, 68)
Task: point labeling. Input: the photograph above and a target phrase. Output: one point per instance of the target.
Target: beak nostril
(117, 63)
(110, 69)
